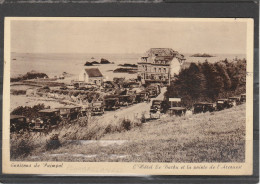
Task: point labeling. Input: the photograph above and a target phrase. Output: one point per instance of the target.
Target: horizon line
(118, 53)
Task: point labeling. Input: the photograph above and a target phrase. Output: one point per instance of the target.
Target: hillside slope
(208, 137)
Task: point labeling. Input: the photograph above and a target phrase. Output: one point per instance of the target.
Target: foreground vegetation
(208, 137)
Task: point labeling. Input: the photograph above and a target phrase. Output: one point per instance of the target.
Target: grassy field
(208, 137)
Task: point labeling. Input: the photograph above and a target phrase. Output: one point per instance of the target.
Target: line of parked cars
(50, 118)
(159, 106)
(47, 118)
(200, 107)
(220, 104)
(113, 102)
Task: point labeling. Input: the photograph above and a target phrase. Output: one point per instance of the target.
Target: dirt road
(133, 111)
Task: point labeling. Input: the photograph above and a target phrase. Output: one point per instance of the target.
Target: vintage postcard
(128, 96)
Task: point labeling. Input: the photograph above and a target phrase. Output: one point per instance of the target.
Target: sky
(127, 36)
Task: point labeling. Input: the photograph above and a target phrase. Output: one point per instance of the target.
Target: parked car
(177, 111)
(48, 118)
(111, 103)
(132, 95)
(131, 84)
(234, 101)
(156, 106)
(18, 123)
(64, 88)
(203, 107)
(139, 98)
(143, 96)
(70, 112)
(152, 91)
(125, 100)
(222, 104)
(85, 110)
(157, 87)
(243, 98)
(97, 108)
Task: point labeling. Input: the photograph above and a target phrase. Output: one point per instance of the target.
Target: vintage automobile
(222, 104)
(131, 84)
(132, 94)
(125, 100)
(157, 87)
(18, 123)
(97, 108)
(203, 107)
(234, 101)
(48, 118)
(177, 111)
(156, 109)
(111, 103)
(142, 96)
(243, 98)
(156, 106)
(85, 110)
(152, 91)
(70, 112)
(64, 88)
(139, 98)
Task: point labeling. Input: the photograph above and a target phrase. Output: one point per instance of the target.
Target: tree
(208, 82)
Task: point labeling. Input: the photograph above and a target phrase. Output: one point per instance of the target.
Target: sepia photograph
(128, 91)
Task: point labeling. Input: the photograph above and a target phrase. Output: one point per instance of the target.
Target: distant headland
(201, 55)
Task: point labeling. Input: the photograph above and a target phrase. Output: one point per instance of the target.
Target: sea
(54, 64)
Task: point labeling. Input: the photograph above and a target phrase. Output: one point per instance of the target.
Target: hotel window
(164, 70)
(154, 69)
(160, 70)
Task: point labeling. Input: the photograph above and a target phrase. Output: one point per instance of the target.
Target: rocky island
(201, 55)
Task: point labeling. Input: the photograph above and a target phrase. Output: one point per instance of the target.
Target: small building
(160, 64)
(92, 76)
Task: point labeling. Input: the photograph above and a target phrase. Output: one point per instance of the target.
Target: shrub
(29, 75)
(143, 119)
(53, 143)
(126, 124)
(30, 112)
(21, 147)
(18, 92)
(108, 129)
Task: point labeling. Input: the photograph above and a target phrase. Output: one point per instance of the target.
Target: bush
(126, 124)
(53, 143)
(30, 112)
(108, 129)
(143, 119)
(125, 70)
(21, 147)
(18, 92)
(29, 75)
